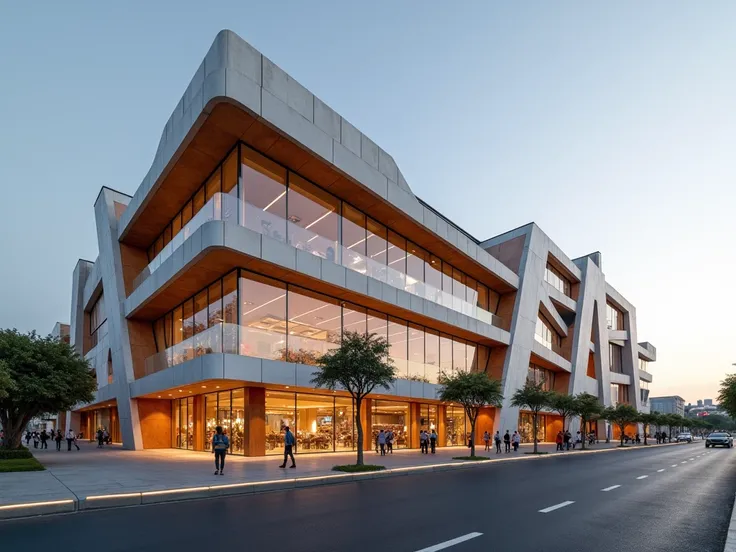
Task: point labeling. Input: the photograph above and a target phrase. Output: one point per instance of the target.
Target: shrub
(14, 454)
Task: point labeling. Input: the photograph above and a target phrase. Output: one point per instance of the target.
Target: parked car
(685, 437)
(719, 439)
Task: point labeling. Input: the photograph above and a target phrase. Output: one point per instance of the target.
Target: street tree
(473, 390)
(646, 420)
(621, 415)
(534, 398)
(673, 422)
(564, 404)
(727, 395)
(359, 365)
(589, 408)
(38, 375)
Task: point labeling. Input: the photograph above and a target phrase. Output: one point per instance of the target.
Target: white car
(685, 437)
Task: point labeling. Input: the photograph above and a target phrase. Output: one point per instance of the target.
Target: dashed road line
(610, 488)
(449, 543)
(642, 477)
(556, 507)
(660, 471)
(674, 465)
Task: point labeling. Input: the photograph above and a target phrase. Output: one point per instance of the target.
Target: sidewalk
(87, 479)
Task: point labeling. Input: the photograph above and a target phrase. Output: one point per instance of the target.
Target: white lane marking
(642, 477)
(674, 465)
(660, 471)
(691, 459)
(557, 506)
(610, 488)
(449, 543)
(683, 462)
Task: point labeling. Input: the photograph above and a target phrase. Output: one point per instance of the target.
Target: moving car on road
(685, 437)
(719, 439)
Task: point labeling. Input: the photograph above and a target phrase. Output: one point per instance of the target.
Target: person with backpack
(507, 441)
(58, 439)
(220, 444)
(289, 442)
(44, 438)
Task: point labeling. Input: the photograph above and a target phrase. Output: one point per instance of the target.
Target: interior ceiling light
(282, 194)
(307, 227)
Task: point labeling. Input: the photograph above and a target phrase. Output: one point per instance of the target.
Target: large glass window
(396, 260)
(263, 195)
(614, 318)
(262, 317)
(315, 423)
(415, 362)
(280, 413)
(210, 418)
(353, 320)
(397, 339)
(526, 427)
(237, 438)
(456, 426)
(616, 358)
(545, 335)
(98, 321)
(376, 250)
(415, 261)
(308, 338)
(391, 416)
(431, 355)
(313, 219)
(555, 278)
(344, 423)
(230, 312)
(445, 354)
(183, 421)
(354, 239)
(541, 375)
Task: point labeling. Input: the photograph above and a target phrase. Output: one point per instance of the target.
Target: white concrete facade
(234, 73)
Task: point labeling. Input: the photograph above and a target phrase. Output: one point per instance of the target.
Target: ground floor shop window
(182, 417)
(391, 416)
(428, 417)
(526, 427)
(457, 426)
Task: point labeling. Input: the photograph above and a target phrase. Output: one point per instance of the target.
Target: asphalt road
(681, 504)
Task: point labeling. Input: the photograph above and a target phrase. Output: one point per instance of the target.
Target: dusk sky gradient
(611, 125)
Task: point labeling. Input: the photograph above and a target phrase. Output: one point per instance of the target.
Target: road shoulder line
(731, 535)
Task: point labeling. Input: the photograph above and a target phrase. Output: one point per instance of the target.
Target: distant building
(708, 402)
(700, 402)
(668, 405)
(61, 332)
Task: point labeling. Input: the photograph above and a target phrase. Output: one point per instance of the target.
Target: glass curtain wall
(252, 315)
(391, 416)
(281, 204)
(526, 427)
(457, 426)
(183, 420)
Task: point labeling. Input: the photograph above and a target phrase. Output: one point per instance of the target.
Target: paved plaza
(112, 470)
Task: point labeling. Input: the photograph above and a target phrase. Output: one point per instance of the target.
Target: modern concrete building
(268, 225)
(673, 404)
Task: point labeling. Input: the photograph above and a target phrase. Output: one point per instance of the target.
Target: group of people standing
(427, 441)
(385, 442)
(564, 440)
(41, 439)
(662, 437)
(508, 439)
(103, 437)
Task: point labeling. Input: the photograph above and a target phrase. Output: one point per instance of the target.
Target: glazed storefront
(254, 418)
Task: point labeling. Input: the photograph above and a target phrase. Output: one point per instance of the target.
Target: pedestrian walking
(58, 437)
(220, 445)
(507, 441)
(433, 441)
(44, 438)
(558, 441)
(28, 438)
(382, 442)
(497, 440)
(390, 441)
(656, 436)
(289, 442)
(105, 436)
(578, 440)
(35, 439)
(568, 439)
(487, 440)
(69, 440)
(99, 437)
(516, 440)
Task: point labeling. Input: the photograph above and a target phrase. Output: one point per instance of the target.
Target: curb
(98, 502)
(731, 535)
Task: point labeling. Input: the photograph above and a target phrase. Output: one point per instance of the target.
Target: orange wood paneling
(486, 417)
(255, 421)
(155, 420)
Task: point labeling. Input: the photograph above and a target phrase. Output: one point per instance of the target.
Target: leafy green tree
(646, 420)
(589, 408)
(621, 415)
(38, 375)
(534, 398)
(727, 395)
(672, 421)
(565, 405)
(473, 390)
(359, 365)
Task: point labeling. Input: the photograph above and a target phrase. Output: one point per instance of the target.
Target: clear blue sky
(612, 125)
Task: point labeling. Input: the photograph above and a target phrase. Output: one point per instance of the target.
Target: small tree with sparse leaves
(588, 408)
(533, 397)
(358, 366)
(647, 420)
(473, 390)
(564, 405)
(621, 415)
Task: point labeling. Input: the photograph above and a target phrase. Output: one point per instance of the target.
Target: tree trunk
(583, 431)
(621, 429)
(359, 426)
(472, 437)
(534, 430)
(645, 426)
(14, 430)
